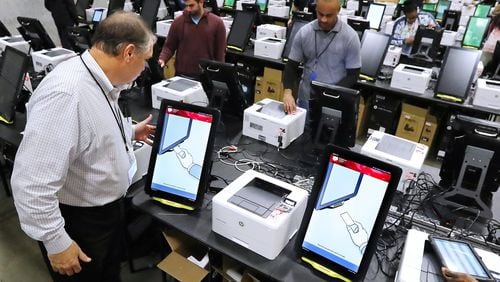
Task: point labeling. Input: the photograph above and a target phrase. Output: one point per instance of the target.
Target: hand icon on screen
(186, 161)
(358, 234)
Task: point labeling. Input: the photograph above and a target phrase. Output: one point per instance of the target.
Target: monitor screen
(429, 6)
(180, 161)
(229, 4)
(471, 167)
(335, 232)
(426, 43)
(32, 31)
(240, 30)
(373, 49)
(149, 11)
(337, 103)
(451, 19)
(441, 6)
(456, 74)
(262, 5)
(296, 25)
(375, 15)
(482, 11)
(97, 17)
(220, 78)
(475, 32)
(12, 70)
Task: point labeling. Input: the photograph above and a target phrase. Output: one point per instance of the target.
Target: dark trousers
(98, 231)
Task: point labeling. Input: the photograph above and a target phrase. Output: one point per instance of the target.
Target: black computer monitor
(220, 81)
(12, 70)
(451, 19)
(471, 169)
(339, 115)
(116, 5)
(262, 5)
(80, 38)
(475, 32)
(373, 49)
(291, 32)
(398, 12)
(240, 30)
(149, 12)
(3, 30)
(363, 6)
(98, 16)
(442, 5)
(359, 25)
(426, 43)
(375, 15)
(214, 7)
(456, 74)
(482, 10)
(33, 32)
(491, 68)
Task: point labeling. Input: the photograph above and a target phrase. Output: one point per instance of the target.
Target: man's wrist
(58, 244)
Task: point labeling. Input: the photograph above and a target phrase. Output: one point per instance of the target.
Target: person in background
(492, 38)
(64, 15)
(76, 160)
(329, 50)
(405, 27)
(196, 34)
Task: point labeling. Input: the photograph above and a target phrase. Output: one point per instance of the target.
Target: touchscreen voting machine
(180, 163)
(345, 213)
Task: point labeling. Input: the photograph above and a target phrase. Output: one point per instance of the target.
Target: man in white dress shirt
(76, 160)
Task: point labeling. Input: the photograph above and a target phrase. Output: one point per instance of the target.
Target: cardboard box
(267, 89)
(169, 69)
(429, 130)
(271, 74)
(411, 122)
(178, 264)
(362, 110)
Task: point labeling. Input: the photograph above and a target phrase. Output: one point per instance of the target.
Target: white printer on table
(259, 212)
(178, 89)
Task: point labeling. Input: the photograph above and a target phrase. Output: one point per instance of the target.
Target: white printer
(411, 78)
(178, 89)
(278, 11)
(269, 47)
(16, 41)
(46, 60)
(392, 56)
(271, 30)
(259, 212)
(448, 38)
(267, 121)
(162, 27)
(487, 94)
(142, 152)
(407, 155)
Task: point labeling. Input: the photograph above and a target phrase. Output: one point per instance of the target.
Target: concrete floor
(20, 257)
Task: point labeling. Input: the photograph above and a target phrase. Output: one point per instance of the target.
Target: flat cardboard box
(169, 69)
(411, 122)
(429, 131)
(260, 89)
(176, 264)
(271, 74)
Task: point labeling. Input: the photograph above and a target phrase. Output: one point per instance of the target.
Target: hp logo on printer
(241, 223)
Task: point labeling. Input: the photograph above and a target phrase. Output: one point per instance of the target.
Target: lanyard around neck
(116, 114)
(326, 47)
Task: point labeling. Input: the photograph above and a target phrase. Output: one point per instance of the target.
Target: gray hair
(122, 28)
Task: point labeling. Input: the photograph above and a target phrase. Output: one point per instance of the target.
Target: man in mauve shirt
(195, 35)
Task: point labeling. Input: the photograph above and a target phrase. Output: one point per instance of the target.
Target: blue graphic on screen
(182, 150)
(347, 186)
(175, 132)
(340, 234)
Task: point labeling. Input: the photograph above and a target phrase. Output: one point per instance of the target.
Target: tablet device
(180, 163)
(459, 256)
(346, 213)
